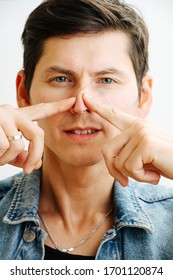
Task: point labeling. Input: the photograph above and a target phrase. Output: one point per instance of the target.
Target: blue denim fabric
(143, 225)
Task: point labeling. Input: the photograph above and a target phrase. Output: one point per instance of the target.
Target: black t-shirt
(53, 254)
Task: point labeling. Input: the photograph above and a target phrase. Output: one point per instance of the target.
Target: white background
(159, 17)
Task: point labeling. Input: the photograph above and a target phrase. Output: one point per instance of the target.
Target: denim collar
(24, 206)
(129, 209)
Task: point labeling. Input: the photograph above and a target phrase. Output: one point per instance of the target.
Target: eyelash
(61, 79)
(64, 79)
(111, 81)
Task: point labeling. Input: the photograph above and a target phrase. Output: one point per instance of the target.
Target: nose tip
(79, 106)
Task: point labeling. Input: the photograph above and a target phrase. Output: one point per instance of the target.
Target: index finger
(119, 119)
(44, 110)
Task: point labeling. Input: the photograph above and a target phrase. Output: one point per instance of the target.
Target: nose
(79, 106)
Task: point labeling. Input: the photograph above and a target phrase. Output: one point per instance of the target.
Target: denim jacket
(143, 223)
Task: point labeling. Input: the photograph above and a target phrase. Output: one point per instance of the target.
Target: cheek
(52, 136)
(40, 93)
(121, 102)
(41, 97)
(49, 125)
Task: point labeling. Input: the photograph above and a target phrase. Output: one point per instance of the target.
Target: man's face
(98, 65)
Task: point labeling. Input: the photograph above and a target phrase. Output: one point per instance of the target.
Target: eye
(61, 79)
(107, 81)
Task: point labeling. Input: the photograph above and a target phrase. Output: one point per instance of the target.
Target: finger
(11, 150)
(110, 153)
(45, 110)
(114, 172)
(34, 156)
(38, 165)
(4, 143)
(139, 171)
(118, 176)
(19, 161)
(123, 147)
(125, 158)
(15, 147)
(35, 135)
(119, 119)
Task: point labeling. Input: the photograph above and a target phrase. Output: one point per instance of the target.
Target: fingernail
(29, 169)
(88, 96)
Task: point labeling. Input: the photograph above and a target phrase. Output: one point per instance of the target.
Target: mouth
(82, 134)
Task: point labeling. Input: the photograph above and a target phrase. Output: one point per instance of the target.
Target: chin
(75, 157)
(84, 160)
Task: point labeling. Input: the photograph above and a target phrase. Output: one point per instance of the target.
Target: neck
(74, 202)
(66, 188)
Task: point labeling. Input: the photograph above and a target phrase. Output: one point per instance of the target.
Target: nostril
(79, 106)
(75, 111)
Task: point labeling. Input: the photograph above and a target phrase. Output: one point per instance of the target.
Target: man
(86, 82)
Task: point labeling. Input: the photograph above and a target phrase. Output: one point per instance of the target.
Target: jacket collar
(129, 211)
(24, 205)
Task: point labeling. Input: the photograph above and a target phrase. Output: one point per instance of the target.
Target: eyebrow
(58, 69)
(111, 71)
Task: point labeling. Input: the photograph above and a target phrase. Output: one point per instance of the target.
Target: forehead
(96, 50)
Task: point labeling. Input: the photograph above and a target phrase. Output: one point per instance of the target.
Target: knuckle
(142, 127)
(140, 124)
(113, 111)
(119, 165)
(112, 173)
(4, 146)
(36, 133)
(104, 150)
(39, 132)
(5, 109)
(18, 146)
(148, 143)
(141, 132)
(129, 167)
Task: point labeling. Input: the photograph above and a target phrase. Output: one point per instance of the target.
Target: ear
(22, 94)
(145, 101)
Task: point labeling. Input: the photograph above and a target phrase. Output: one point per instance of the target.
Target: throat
(75, 221)
(69, 189)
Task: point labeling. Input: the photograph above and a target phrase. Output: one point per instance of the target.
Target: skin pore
(76, 189)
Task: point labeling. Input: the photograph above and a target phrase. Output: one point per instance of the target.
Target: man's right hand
(14, 121)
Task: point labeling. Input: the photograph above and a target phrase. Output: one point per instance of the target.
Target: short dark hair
(70, 17)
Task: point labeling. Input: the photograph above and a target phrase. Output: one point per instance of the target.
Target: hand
(141, 151)
(14, 120)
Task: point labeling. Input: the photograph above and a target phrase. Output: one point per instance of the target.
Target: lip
(82, 137)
